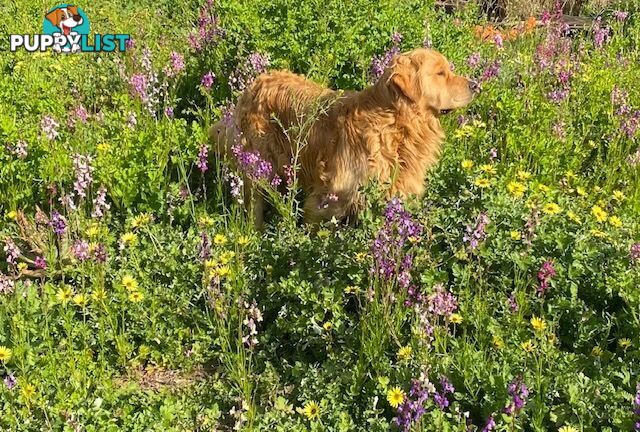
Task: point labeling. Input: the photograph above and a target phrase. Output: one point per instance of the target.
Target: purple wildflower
(474, 60)
(492, 70)
(132, 120)
(379, 64)
(58, 223)
(236, 183)
(40, 263)
(490, 425)
(83, 169)
(11, 251)
(226, 116)
(390, 259)
(413, 407)
(207, 80)
(244, 74)
(168, 111)
(100, 204)
(600, 34)
(7, 284)
(493, 154)
(99, 253)
(546, 273)
(476, 233)
(19, 150)
(203, 158)
(519, 393)
(208, 31)
(176, 65)
(138, 83)
(513, 303)
(558, 95)
(636, 408)
(620, 15)
(80, 250)
(10, 381)
(130, 43)
(441, 302)
(204, 249)
(49, 127)
(252, 164)
(497, 39)
(252, 317)
(634, 252)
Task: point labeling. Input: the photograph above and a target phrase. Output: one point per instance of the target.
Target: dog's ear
(73, 10)
(404, 76)
(55, 16)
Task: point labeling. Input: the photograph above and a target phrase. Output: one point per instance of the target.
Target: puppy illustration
(66, 19)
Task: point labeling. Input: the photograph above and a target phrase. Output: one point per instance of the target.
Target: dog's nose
(77, 18)
(474, 86)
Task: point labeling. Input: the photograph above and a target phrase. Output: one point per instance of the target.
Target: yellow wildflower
(93, 231)
(129, 283)
(624, 343)
(528, 346)
(538, 324)
(404, 353)
(488, 169)
(596, 351)
(206, 221)
(141, 220)
(395, 397)
(567, 428)
(599, 213)
(456, 318)
(64, 294)
(497, 342)
(243, 240)
(523, 175)
(482, 182)
(619, 195)
(98, 295)
(80, 300)
(516, 189)
(615, 221)
(219, 239)
(551, 208)
(5, 354)
(311, 410)
(467, 164)
(515, 235)
(543, 188)
(327, 326)
(136, 296)
(573, 217)
(581, 191)
(129, 238)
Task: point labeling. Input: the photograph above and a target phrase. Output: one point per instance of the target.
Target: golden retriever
(338, 140)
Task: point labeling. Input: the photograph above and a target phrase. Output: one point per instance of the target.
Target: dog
(389, 131)
(66, 18)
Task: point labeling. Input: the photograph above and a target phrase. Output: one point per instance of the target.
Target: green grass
(170, 312)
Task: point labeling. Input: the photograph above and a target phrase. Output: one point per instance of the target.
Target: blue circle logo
(66, 19)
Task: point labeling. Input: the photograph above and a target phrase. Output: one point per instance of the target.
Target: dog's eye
(441, 73)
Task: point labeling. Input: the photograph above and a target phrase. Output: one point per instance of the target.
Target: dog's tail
(221, 137)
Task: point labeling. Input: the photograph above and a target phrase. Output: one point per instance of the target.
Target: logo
(66, 29)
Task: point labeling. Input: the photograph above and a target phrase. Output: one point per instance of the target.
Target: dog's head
(65, 18)
(425, 78)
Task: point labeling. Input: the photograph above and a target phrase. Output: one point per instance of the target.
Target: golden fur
(389, 131)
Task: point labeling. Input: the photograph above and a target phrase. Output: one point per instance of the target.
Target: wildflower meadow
(137, 295)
